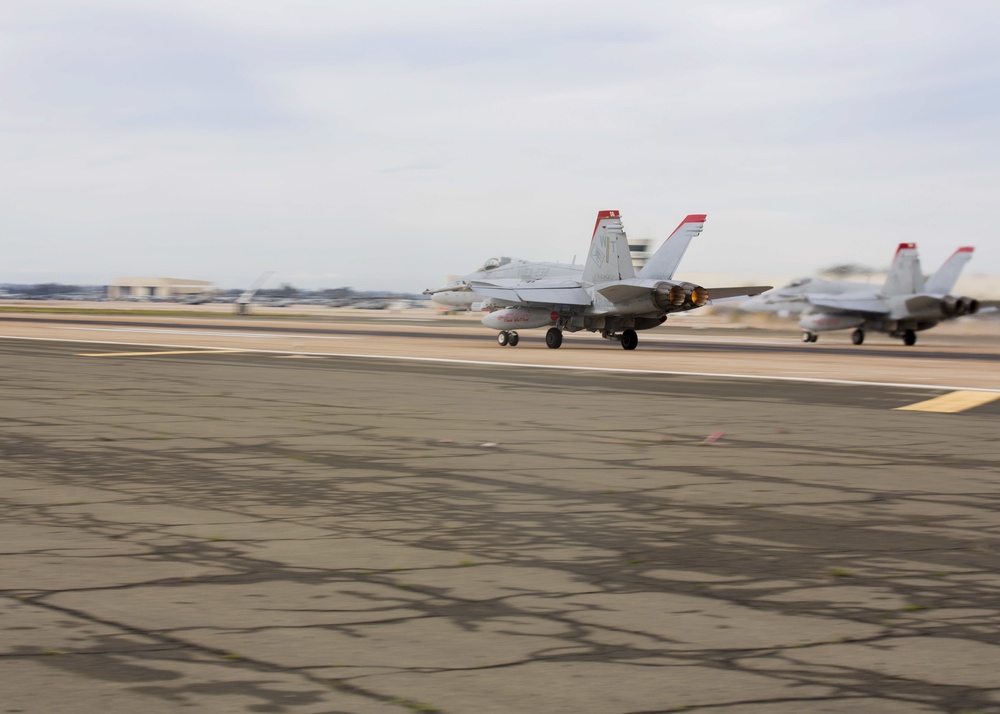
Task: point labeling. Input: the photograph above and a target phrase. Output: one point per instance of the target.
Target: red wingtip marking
(965, 249)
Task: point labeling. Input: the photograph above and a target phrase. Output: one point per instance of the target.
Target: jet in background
(902, 306)
(608, 296)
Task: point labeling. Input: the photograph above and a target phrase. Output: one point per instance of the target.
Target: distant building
(641, 249)
(145, 288)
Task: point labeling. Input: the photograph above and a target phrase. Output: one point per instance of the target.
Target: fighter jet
(902, 306)
(608, 296)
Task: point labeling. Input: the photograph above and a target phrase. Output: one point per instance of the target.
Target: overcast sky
(387, 144)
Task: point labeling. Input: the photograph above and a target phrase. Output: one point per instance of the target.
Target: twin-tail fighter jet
(608, 296)
(902, 306)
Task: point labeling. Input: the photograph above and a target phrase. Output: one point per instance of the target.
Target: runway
(266, 522)
(942, 359)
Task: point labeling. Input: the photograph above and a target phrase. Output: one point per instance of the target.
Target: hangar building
(124, 288)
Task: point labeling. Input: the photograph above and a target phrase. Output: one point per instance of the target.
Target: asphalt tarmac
(289, 531)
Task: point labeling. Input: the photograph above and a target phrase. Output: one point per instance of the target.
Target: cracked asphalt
(251, 533)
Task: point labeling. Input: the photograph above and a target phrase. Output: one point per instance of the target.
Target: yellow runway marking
(170, 352)
(952, 402)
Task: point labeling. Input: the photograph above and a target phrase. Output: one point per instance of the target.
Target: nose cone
(759, 303)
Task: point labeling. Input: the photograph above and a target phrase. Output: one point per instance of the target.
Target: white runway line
(204, 333)
(490, 363)
(718, 340)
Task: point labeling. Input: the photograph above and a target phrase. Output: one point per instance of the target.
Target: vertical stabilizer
(609, 259)
(904, 276)
(664, 262)
(943, 281)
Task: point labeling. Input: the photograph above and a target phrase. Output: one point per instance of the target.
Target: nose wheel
(858, 336)
(909, 338)
(809, 337)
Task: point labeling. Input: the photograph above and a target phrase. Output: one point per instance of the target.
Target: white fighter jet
(608, 296)
(902, 306)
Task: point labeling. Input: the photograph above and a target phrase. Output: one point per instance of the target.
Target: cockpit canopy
(493, 263)
(799, 282)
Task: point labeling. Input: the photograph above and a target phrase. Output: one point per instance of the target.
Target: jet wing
(868, 304)
(537, 292)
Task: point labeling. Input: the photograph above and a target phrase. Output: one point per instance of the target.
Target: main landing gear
(909, 338)
(627, 339)
(809, 337)
(506, 338)
(553, 338)
(858, 336)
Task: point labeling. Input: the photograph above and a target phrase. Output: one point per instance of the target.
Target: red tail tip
(965, 249)
(906, 246)
(601, 215)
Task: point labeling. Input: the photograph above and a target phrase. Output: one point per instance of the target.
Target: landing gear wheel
(858, 336)
(553, 338)
(630, 340)
(503, 338)
(513, 339)
(809, 337)
(909, 338)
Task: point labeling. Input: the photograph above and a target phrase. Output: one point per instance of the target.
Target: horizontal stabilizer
(922, 303)
(744, 291)
(628, 289)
